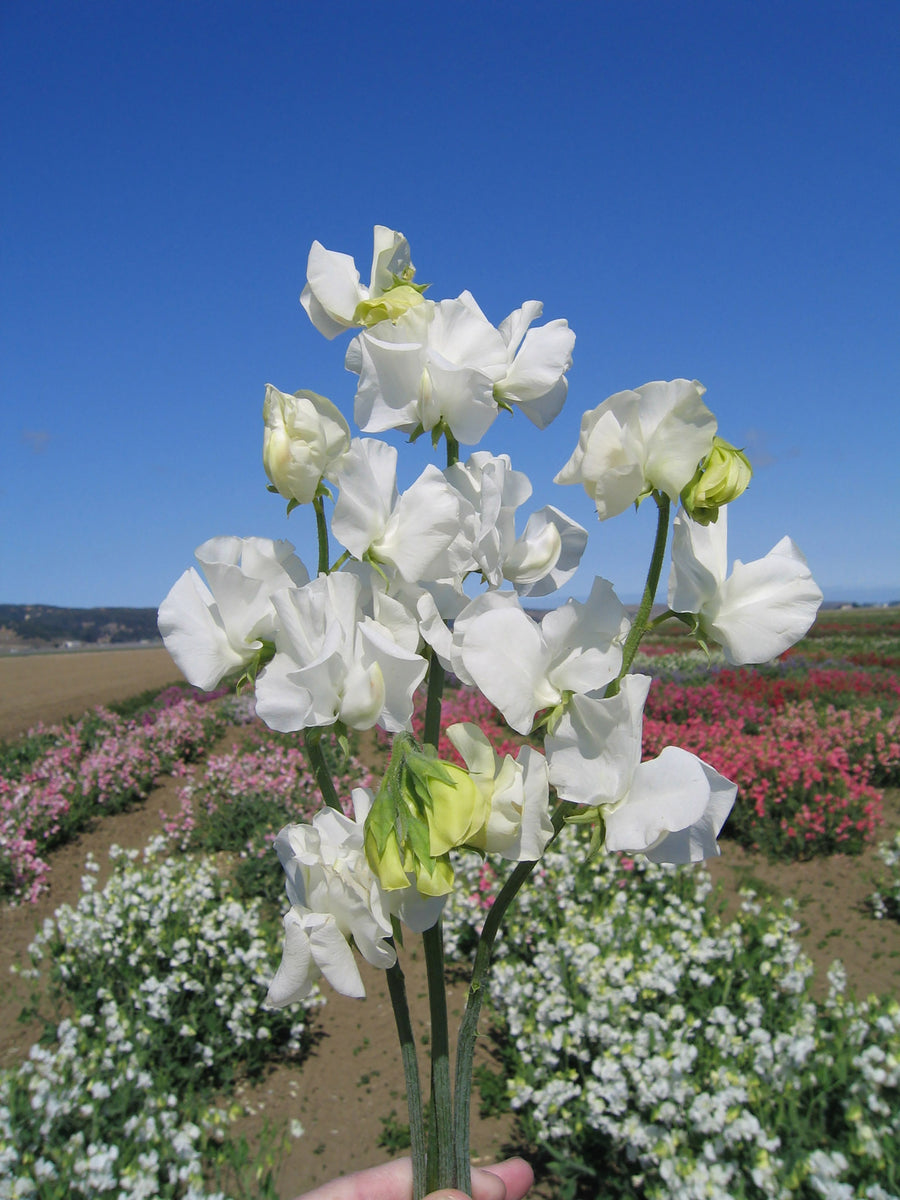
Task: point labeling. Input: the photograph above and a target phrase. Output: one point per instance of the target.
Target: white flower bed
(166, 975)
(654, 1051)
(886, 901)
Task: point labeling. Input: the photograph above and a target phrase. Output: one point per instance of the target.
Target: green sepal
(292, 504)
(247, 678)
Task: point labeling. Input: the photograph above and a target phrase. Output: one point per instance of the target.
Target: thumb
(485, 1186)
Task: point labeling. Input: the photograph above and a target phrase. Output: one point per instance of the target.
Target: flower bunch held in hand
(394, 604)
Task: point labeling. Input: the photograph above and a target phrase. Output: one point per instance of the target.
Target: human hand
(509, 1180)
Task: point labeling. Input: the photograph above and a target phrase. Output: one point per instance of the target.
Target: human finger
(515, 1174)
(390, 1181)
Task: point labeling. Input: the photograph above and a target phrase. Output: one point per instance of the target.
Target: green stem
(312, 744)
(452, 448)
(468, 1030)
(639, 626)
(436, 674)
(440, 1159)
(397, 991)
(322, 533)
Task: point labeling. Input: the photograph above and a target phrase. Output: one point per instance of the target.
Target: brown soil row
(49, 687)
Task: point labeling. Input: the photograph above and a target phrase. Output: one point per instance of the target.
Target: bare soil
(50, 687)
(352, 1081)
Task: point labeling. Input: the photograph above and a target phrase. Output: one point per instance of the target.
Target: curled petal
(674, 811)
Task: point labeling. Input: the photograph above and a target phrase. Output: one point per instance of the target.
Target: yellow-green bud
(458, 811)
(722, 476)
(386, 863)
(389, 306)
(436, 881)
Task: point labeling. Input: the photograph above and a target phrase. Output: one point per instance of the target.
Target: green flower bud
(423, 809)
(385, 860)
(721, 477)
(459, 810)
(389, 306)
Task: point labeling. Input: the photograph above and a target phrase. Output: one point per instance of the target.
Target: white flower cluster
(350, 647)
(166, 976)
(645, 1033)
(886, 901)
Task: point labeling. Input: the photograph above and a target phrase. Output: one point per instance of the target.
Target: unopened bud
(722, 476)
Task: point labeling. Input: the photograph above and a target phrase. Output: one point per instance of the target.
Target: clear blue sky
(704, 189)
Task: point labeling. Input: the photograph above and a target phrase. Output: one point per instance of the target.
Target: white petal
(297, 973)
(596, 746)
(765, 606)
(504, 654)
(194, 634)
(390, 257)
(422, 525)
(585, 640)
(333, 956)
(544, 357)
(699, 562)
(368, 489)
(332, 291)
(678, 432)
(675, 810)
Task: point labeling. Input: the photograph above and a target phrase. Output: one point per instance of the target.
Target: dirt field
(48, 687)
(352, 1078)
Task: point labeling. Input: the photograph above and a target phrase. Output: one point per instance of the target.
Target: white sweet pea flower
(538, 360)
(493, 490)
(412, 532)
(653, 437)
(304, 439)
(548, 552)
(670, 809)
(438, 362)
(334, 298)
(215, 631)
(334, 897)
(333, 663)
(518, 825)
(522, 666)
(758, 611)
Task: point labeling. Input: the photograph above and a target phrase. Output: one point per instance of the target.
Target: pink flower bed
(805, 774)
(102, 763)
(268, 779)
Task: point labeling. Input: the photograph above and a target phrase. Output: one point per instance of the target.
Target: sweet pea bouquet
(412, 586)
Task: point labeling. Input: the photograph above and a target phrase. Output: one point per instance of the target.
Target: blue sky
(702, 189)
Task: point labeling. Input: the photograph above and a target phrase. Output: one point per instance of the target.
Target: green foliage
(394, 1135)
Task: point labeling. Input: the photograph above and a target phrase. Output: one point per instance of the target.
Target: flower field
(645, 1046)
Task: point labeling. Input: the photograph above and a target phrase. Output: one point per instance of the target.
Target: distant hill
(38, 626)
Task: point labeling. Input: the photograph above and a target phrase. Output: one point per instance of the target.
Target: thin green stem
(468, 1030)
(312, 744)
(452, 448)
(435, 696)
(321, 533)
(397, 991)
(440, 1158)
(639, 626)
